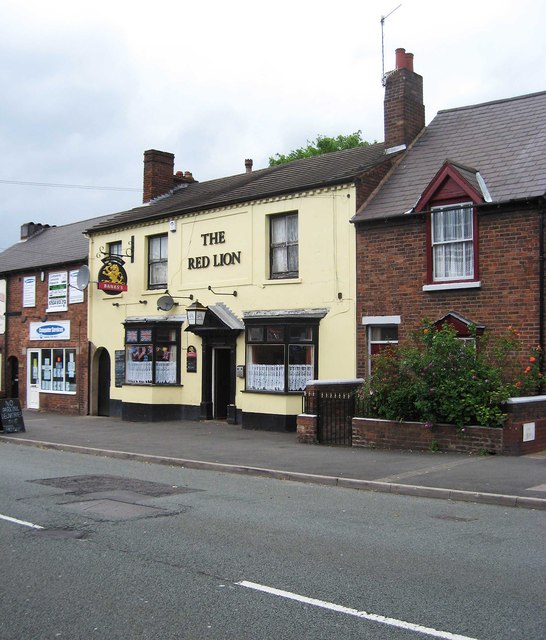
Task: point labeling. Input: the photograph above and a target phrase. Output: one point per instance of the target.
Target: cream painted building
(269, 255)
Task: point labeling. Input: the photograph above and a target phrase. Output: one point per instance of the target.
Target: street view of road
(95, 547)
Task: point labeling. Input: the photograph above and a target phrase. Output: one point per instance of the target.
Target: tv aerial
(383, 18)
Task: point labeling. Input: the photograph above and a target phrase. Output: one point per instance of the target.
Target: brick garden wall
(525, 417)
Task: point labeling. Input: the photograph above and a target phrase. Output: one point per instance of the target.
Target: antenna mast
(383, 18)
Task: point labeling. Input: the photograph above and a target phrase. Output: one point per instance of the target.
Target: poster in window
(57, 292)
(145, 335)
(131, 335)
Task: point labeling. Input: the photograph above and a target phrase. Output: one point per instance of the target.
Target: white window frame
(158, 264)
(285, 245)
(444, 244)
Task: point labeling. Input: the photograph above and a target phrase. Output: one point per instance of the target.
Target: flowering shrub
(438, 378)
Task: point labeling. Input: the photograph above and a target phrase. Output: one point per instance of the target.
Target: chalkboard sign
(11, 416)
(120, 368)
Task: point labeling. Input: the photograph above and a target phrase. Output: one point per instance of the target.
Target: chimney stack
(248, 165)
(159, 176)
(30, 229)
(404, 109)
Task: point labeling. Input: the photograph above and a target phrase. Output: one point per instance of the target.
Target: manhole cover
(114, 510)
(81, 485)
(59, 534)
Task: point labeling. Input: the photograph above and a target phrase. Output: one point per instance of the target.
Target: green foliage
(437, 378)
(323, 144)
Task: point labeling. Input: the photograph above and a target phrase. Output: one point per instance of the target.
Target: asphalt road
(129, 550)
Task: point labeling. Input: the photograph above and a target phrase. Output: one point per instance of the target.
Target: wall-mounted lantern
(196, 314)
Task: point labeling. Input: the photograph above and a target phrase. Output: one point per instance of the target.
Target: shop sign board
(59, 330)
(29, 291)
(57, 291)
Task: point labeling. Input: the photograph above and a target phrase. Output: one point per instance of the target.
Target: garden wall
(525, 432)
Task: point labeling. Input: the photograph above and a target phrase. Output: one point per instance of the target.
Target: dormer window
(449, 203)
(452, 242)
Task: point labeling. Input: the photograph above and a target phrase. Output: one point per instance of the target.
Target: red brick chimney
(159, 176)
(404, 108)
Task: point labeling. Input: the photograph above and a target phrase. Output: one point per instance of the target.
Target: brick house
(43, 345)
(456, 230)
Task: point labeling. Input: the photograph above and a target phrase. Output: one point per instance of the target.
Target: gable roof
(329, 169)
(504, 141)
(50, 246)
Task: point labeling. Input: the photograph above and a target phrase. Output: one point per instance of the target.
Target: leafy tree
(323, 144)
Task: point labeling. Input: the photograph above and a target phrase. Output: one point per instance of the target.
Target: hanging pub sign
(112, 277)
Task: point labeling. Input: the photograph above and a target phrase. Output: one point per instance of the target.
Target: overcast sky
(86, 88)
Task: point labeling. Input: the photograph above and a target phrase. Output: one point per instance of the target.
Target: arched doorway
(12, 377)
(103, 389)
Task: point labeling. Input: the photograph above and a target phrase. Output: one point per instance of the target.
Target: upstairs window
(115, 248)
(283, 233)
(157, 262)
(452, 242)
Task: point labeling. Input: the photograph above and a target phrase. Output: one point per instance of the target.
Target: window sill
(61, 393)
(282, 281)
(151, 384)
(448, 286)
(273, 393)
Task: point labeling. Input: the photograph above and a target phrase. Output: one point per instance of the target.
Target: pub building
(236, 292)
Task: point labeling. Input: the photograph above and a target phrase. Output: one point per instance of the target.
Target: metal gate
(334, 411)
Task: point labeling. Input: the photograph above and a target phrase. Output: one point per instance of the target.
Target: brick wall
(392, 269)
(521, 411)
(387, 434)
(18, 339)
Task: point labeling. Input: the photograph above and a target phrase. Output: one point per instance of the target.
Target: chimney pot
(404, 109)
(248, 165)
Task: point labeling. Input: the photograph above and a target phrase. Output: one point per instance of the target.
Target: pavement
(492, 479)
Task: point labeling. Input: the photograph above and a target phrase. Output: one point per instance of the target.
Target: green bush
(437, 378)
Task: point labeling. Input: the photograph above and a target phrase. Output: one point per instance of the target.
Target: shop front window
(57, 370)
(152, 355)
(280, 358)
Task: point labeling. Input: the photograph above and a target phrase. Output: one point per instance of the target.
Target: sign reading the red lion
(112, 276)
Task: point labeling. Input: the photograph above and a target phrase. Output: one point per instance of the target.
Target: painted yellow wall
(198, 251)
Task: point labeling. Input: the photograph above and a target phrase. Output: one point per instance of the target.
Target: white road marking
(22, 522)
(401, 624)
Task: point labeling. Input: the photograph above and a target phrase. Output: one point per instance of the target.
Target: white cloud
(87, 88)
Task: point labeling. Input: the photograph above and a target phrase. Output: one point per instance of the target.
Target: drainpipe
(541, 282)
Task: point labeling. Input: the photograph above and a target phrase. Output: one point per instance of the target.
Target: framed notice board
(120, 367)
